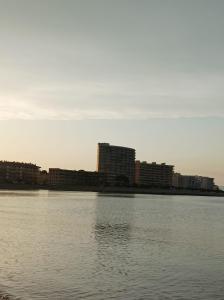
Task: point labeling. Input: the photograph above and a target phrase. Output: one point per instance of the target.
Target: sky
(145, 74)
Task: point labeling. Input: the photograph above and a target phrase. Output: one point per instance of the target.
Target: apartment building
(193, 182)
(117, 163)
(62, 178)
(153, 174)
(18, 172)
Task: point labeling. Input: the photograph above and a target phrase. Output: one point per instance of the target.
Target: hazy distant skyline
(145, 74)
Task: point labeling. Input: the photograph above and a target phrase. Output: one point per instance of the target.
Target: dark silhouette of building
(117, 163)
(71, 178)
(153, 174)
(42, 178)
(17, 172)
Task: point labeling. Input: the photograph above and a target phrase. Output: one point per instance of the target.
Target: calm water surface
(73, 245)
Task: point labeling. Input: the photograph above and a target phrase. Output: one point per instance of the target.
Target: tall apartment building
(153, 174)
(117, 163)
(17, 172)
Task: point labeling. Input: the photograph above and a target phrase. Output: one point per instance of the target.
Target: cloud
(160, 97)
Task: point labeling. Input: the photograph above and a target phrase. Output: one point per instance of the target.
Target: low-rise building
(153, 174)
(176, 180)
(17, 172)
(193, 182)
(68, 178)
(207, 183)
(190, 182)
(42, 178)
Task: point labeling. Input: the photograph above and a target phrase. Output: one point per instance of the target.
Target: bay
(79, 245)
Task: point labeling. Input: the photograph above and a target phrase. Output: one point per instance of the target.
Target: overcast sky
(95, 64)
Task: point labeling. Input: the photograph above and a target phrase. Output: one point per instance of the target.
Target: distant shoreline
(135, 190)
(110, 189)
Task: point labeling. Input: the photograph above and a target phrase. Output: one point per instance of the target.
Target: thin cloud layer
(162, 98)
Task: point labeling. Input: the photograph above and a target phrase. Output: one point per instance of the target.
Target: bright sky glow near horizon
(145, 74)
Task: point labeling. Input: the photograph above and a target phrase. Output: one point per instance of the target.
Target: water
(72, 245)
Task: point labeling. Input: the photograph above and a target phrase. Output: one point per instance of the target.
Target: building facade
(193, 182)
(207, 183)
(17, 172)
(176, 180)
(71, 178)
(117, 163)
(153, 174)
(42, 178)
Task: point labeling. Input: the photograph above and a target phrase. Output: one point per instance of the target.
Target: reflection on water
(74, 245)
(113, 218)
(106, 233)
